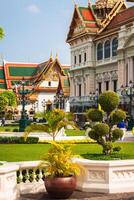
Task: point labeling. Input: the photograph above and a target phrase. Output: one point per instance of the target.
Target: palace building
(47, 83)
(101, 38)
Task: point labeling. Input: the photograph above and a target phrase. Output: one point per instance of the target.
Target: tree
(12, 101)
(1, 33)
(56, 119)
(102, 132)
(3, 103)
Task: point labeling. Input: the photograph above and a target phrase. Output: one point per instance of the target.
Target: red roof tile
(87, 15)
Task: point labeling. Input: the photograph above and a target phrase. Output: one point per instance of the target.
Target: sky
(35, 28)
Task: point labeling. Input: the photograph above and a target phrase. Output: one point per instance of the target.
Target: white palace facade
(101, 38)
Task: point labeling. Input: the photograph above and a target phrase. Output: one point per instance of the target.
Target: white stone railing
(99, 176)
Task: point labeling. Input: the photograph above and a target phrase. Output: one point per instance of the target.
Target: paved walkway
(82, 196)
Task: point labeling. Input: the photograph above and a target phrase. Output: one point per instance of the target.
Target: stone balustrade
(99, 176)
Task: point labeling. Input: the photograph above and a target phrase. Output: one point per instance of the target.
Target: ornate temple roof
(105, 3)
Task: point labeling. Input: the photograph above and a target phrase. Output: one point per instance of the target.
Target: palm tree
(56, 119)
(1, 33)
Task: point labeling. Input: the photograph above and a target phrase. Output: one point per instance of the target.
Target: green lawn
(70, 132)
(25, 152)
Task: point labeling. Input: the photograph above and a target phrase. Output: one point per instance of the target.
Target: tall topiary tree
(103, 132)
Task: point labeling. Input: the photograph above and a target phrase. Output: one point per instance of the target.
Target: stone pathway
(77, 195)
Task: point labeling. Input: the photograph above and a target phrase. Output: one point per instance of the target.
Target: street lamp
(128, 92)
(93, 97)
(59, 100)
(43, 104)
(23, 122)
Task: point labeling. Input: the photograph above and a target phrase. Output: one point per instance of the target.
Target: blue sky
(34, 28)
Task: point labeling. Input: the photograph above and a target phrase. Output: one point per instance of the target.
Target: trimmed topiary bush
(95, 115)
(103, 133)
(101, 129)
(109, 100)
(117, 116)
(116, 134)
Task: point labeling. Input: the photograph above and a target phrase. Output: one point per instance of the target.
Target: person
(122, 126)
(3, 121)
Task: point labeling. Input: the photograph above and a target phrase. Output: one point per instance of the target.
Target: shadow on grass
(114, 156)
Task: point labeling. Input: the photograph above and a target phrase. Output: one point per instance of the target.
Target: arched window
(114, 46)
(100, 51)
(107, 49)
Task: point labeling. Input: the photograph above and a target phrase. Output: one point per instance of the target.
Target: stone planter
(106, 176)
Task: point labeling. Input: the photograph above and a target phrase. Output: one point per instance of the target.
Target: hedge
(18, 140)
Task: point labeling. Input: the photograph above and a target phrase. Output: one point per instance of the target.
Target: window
(80, 58)
(85, 57)
(49, 83)
(114, 47)
(80, 90)
(100, 51)
(107, 85)
(99, 87)
(115, 85)
(107, 49)
(75, 59)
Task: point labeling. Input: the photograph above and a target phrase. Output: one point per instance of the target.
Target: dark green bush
(109, 100)
(92, 135)
(101, 129)
(18, 140)
(107, 147)
(95, 115)
(117, 116)
(7, 129)
(15, 130)
(116, 134)
(117, 149)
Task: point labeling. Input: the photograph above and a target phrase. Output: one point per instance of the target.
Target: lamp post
(43, 104)
(59, 100)
(93, 97)
(128, 92)
(23, 122)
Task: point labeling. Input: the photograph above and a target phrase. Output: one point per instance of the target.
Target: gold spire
(56, 55)
(105, 3)
(51, 54)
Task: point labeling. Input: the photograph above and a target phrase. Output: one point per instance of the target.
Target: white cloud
(33, 8)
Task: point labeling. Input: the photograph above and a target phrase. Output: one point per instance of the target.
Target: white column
(130, 69)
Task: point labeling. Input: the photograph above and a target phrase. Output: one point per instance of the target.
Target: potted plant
(60, 175)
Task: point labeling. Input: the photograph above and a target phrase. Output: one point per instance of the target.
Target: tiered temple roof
(12, 73)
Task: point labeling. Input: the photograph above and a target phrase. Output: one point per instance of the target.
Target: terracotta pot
(60, 187)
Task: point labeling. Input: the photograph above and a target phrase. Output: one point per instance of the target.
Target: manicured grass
(70, 132)
(25, 152)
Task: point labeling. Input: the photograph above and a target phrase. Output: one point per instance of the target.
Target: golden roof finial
(56, 55)
(51, 54)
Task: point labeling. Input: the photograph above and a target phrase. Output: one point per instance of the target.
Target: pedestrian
(3, 121)
(122, 126)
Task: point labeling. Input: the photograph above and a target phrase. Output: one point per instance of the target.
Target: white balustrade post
(8, 182)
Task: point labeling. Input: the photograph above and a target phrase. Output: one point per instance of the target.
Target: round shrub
(107, 147)
(117, 116)
(101, 129)
(109, 100)
(92, 135)
(95, 115)
(116, 134)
